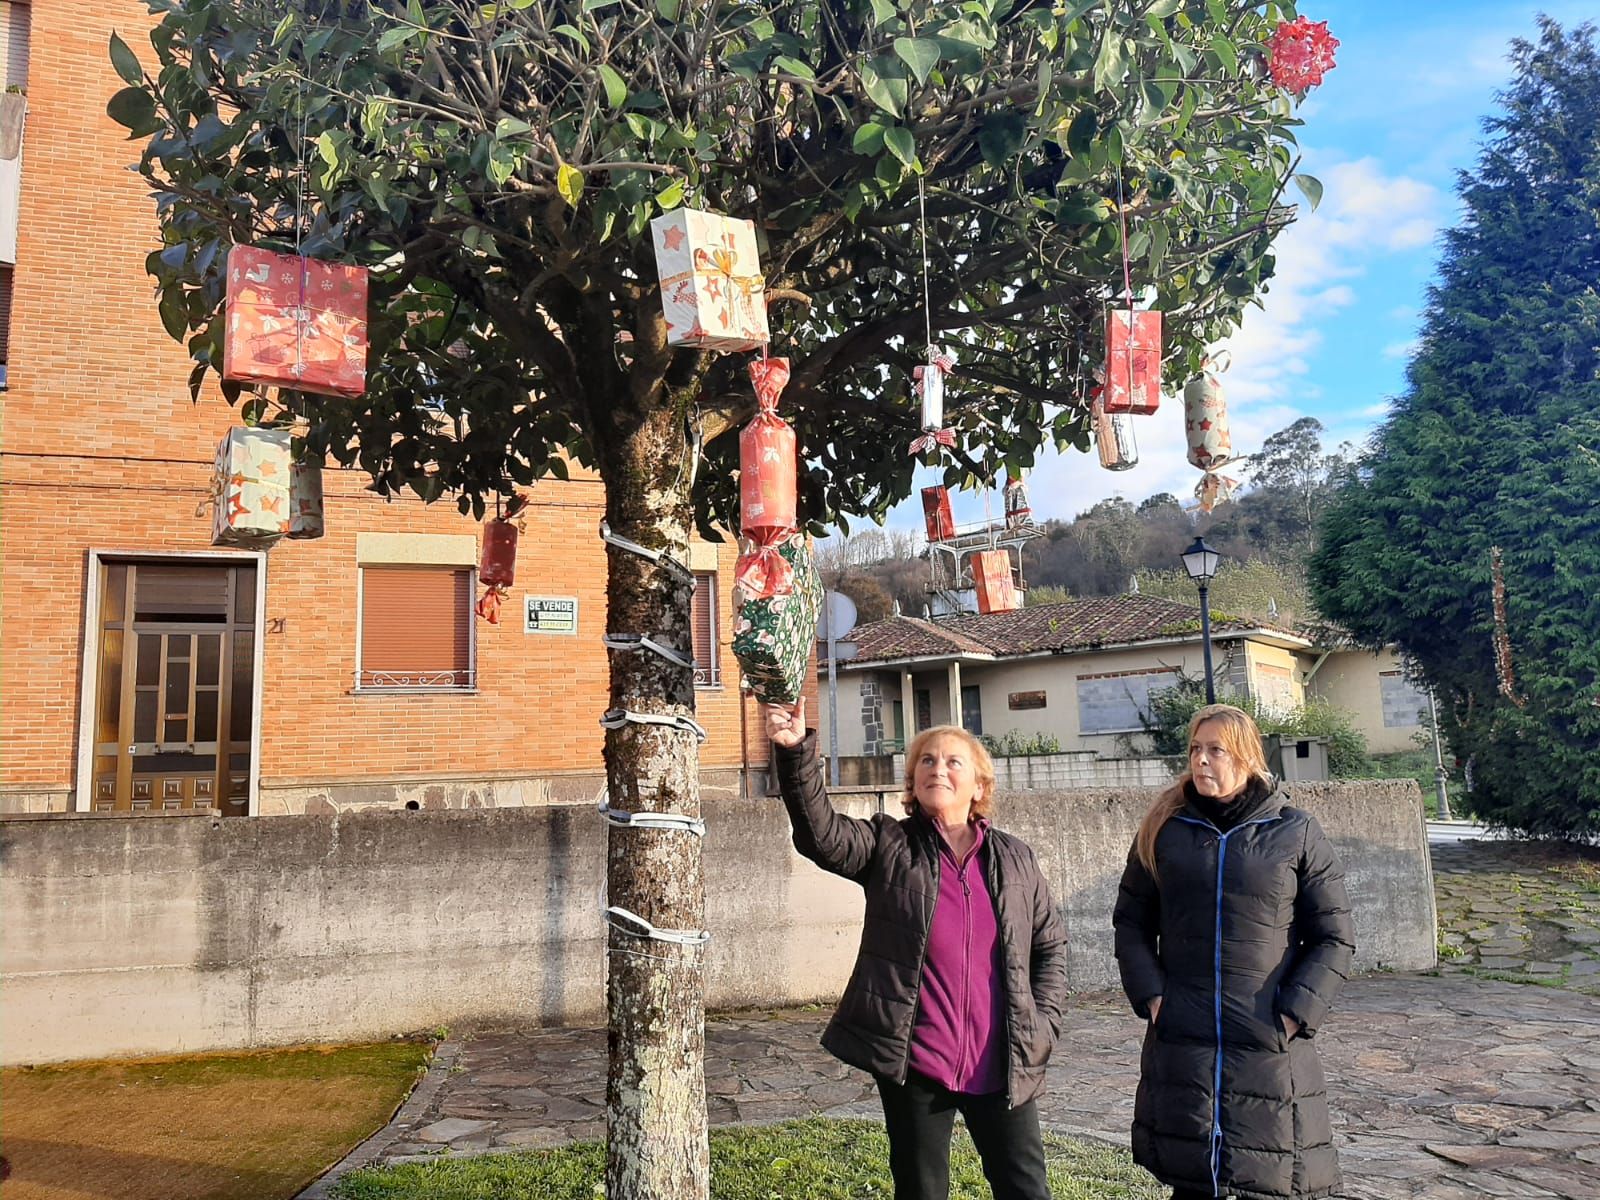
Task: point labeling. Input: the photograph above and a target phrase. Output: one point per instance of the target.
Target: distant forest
(1264, 533)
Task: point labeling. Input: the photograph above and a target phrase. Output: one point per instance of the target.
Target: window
(703, 631)
(1403, 703)
(1117, 702)
(1274, 687)
(971, 709)
(416, 629)
(14, 51)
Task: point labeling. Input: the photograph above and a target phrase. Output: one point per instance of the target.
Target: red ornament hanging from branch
(1300, 53)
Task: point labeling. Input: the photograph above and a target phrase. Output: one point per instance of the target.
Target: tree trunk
(655, 1083)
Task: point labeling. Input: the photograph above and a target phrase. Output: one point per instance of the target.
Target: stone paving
(1445, 1085)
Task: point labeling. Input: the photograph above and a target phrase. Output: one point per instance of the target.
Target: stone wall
(158, 935)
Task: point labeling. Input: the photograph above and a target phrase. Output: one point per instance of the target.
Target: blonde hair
(982, 766)
(1239, 736)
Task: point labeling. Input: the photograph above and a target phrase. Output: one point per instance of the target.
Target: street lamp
(1200, 560)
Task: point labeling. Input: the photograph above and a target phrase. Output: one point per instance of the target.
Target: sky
(1386, 133)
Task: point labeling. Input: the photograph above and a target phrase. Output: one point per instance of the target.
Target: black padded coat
(896, 861)
(1242, 927)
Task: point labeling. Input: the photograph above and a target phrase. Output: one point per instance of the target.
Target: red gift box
(991, 573)
(936, 513)
(1133, 361)
(295, 322)
(767, 468)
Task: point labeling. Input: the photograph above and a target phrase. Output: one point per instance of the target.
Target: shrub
(1016, 744)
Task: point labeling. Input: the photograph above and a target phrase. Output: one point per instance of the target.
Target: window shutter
(416, 626)
(708, 670)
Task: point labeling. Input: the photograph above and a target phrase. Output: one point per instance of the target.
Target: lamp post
(1200, 560)
(1441, 789)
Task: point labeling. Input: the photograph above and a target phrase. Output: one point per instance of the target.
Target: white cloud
(1405, 349)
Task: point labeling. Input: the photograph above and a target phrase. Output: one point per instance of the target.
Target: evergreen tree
(1497, 444)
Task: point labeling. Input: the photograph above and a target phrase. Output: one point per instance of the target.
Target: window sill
(412, 691)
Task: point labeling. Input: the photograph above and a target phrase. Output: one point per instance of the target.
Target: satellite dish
(838, 616)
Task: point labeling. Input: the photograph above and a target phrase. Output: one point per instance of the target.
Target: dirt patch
(256, 1126)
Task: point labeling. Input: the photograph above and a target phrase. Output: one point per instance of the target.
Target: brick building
(140, 669)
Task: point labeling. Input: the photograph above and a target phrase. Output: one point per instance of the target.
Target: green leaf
(616, 88)
(667, 10)
(574, 35)
(1163, 8)
(868, 139)
(1311, 188)
(1226, 54)
(670, 196)
(794, 66)
(125, 61)
(882, 11)
(390, 38)
(1111, 66)
(174, 313)
(569, 182)
(136, 109)
(1158, 246)
(920, 54)
(901, 144)
(509, 127)
(1080, 134)
(885, 84)
(1001, 137)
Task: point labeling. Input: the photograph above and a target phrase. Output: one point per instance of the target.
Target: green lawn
(815, 1159)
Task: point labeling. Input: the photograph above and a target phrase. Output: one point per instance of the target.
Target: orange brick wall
(102, 448)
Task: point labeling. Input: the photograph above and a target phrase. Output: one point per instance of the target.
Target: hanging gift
(1133, 361)
(497, 565)
(712, 292)
(991, 575)
(1299, 53)
(305, 501)
(1113, 438)
(1205, 423)
(1213, 490)
(767, 489)
(773, 636)
(928, 384)
(936, 514)
(250, 488)
(295, 322)
(1018, 513)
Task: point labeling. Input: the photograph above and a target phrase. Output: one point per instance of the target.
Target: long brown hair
(1239, 736)
(982, 766)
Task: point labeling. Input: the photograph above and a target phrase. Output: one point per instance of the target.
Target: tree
(1257, 588)
(1294, 480)
(1496, 444)
(497, 165)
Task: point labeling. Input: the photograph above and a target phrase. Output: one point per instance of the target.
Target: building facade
(143, 670)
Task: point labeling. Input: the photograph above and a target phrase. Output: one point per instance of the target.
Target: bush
(1172, 708)
(1016, 744)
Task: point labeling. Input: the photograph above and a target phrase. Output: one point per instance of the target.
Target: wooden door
(175, 710)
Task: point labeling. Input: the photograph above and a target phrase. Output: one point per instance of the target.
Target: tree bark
(655, 1084)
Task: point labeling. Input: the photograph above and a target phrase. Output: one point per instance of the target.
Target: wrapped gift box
(295, 322)
(1133, 361)
(767, 480)
(251, 488)
(305, 501)
(936, 514)
(1205, 423)
(772, 638)
(1113, 439)
(712, 290)
(991, 574)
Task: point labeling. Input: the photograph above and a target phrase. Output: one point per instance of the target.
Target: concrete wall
(127, 936)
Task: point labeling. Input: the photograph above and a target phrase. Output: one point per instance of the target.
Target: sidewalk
(1448, 1087)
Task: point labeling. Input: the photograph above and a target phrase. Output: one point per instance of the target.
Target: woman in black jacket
(955, 1001)
(1233, 935)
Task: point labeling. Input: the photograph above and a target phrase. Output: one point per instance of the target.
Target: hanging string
(927, 287)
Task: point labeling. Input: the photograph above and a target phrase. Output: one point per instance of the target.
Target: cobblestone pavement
(1519, 911)
(1445, 1086)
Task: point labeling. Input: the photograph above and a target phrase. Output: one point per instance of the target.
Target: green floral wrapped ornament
(773, 636)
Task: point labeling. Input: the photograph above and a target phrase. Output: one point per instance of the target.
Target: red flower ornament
(1299, 53)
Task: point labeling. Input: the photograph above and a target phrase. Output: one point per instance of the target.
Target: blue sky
(1386, 133)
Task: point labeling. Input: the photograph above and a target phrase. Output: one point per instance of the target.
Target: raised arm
(834, 842)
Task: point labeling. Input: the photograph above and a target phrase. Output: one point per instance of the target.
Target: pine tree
(1496, 444)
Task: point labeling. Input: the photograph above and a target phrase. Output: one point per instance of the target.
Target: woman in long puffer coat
(1233, 935)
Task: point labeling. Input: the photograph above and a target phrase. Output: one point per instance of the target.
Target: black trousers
(920, 1116)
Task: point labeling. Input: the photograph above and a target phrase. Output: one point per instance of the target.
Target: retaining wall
(156, 935)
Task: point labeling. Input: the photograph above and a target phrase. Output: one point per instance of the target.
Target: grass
(1419, 765)
(813, 1159)
(251, 1126)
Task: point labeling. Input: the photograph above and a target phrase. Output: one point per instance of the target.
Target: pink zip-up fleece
(958, 1040)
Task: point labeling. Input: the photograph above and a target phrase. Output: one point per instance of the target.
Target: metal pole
(1205, 641)
(833, 710)
(1441, 790)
